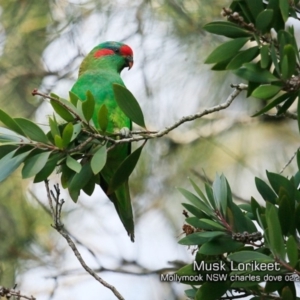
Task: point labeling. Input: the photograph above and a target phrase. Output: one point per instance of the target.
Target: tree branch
(56, 206)
(150, 135)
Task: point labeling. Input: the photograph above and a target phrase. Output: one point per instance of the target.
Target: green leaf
(246, 207)
(73, 164)
(32, 131)
(284, 9)
(62, 111)
(5, 149)
(103, 117)
(199, 238)
(278, 181)
(220, 245)
(274, 59)
(198, 191)
(99, 159)
(9, 163)
(208, 224)
(8, 136)
(298, 119)
(287, 294)
(264, 20)
(241, 221)
(125, 169)
(274, 231)
(245, 256)
(286, 214)
(221, 66)
(194, 221)
(226, 29)
(58, 141)
(266, 192)
(191, 293)
(265, 57)
(67, 135)
(48, 168)
(212, 290)
(284, 68)
(210, 195)
(90, 186)
(35, 164)
(244, 11)
(129, 104)
(54, 126)
(242, 57)
(73, 98)
(187, 270)
(76, 131)
(79, 110)
(88, 106)
(196, 201)
(225, 51)
(255, 7)
(272, 104)
(266, 92)
(256, 208)
(287, 104)
(10, 123)
(292, 251)
(192, 209)
(288, 63)
(80, 180)
(298, 155)
(278, 22)
(251, 87)
(253, 72)
(220, 193)
(272, 286)
(66, 175)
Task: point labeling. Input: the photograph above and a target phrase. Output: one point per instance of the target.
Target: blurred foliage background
(41, 45)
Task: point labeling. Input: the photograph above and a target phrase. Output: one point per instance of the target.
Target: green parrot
(99, 70)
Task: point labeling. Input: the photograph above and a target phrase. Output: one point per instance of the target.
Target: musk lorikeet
(99, 70)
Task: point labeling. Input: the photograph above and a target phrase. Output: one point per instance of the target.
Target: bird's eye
(117, 50)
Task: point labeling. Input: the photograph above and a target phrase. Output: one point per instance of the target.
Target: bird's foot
(125, 132)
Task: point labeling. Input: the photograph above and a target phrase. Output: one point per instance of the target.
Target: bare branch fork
(56, 204)
(8, 293)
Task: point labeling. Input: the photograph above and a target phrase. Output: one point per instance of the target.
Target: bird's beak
(129, 60)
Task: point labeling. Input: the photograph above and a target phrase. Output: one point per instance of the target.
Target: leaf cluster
(74, 147)
(225, 233)
(261, 50)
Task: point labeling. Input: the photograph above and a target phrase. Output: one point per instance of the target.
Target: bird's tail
(122, 201)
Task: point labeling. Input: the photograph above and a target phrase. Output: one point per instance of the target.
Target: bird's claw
(125, 132)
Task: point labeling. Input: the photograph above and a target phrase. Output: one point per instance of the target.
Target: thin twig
(47, 210)
(56, 215)
(49, 197)
(80, 146)
(7, 293)
(289, 161)
(143, 272)
(36, 92)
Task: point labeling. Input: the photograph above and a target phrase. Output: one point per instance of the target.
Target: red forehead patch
(126, 50)
(103, 52)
